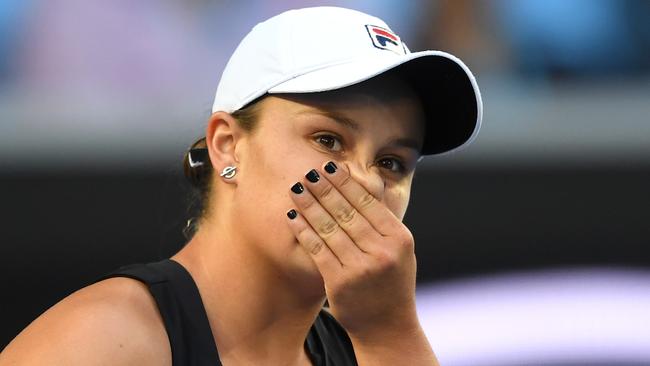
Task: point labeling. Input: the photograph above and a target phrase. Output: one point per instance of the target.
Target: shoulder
(113, 321)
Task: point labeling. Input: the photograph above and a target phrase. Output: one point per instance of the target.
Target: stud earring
(228, 172)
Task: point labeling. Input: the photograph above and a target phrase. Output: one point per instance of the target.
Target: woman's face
(376, 135)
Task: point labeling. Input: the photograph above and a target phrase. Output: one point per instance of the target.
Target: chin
(305, 275)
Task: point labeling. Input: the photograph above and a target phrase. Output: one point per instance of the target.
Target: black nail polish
(330, 167)
(297, 188)
(292, 214)
(312, 176)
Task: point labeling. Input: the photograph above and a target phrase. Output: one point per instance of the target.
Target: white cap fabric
(327, 48)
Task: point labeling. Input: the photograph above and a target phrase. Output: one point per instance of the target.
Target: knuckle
(346, 214)
(315, 246)
(406, 239)
(303, 236)
(366, 273)
(327, 228)
(345, 180)
(366, 200)
(386, 261)
(308, 203)
(326, 192)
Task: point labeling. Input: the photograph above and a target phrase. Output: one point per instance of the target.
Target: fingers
(337, 206)
(338, 214)
(325, 260)
(358, 198)
(324, 225)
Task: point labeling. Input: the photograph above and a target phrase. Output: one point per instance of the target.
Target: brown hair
(200, 175)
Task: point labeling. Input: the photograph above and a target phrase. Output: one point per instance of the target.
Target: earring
(228, 172)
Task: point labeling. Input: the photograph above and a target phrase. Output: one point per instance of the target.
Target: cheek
(261, 215)
(281, 159)
(264, 189)
(397, 200)
(266, 183)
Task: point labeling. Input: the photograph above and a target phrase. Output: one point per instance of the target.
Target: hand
(364, 253)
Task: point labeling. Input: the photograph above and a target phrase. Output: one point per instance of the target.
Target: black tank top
(186, 322)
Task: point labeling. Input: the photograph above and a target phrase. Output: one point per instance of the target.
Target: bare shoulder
(114, 321)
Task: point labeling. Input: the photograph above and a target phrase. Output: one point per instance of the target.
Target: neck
(256, 314)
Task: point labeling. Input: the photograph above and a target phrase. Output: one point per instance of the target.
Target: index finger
(377, 214)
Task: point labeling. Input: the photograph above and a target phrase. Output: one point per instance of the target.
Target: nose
(369, 177)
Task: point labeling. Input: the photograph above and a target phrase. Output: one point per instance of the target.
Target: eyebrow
(406, 142)
(351, 124)
(338, 118)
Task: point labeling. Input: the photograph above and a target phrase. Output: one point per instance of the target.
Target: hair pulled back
(198, 169)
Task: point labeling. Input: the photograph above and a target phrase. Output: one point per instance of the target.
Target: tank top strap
(181, 308)
(328, 343)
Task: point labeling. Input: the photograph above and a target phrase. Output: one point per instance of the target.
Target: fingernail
(297, 188)
(330, 167)
(312, 176)
(292, 214)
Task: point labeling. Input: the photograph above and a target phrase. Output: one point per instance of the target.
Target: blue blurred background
(532, 243)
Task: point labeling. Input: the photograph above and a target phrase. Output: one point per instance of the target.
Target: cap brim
(449, 93)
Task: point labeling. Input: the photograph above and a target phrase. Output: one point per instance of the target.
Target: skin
(263, 277)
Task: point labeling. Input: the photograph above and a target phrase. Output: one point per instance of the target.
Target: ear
(221, 137)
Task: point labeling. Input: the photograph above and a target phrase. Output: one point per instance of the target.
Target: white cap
(327, 48)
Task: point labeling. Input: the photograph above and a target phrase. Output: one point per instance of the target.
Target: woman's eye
(330, 142)
(392, 164)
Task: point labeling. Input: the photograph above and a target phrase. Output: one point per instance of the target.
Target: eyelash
(401, 166)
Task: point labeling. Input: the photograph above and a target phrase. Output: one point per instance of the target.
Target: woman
(305, 171)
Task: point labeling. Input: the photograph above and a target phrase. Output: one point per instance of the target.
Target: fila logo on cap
(384, 39)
